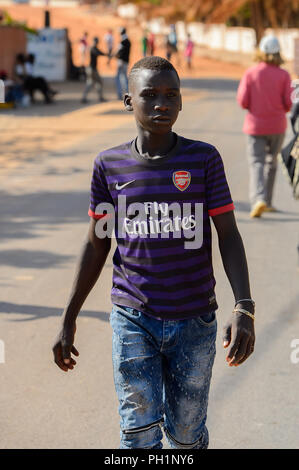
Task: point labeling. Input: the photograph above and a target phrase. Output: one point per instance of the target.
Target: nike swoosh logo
(117, 186)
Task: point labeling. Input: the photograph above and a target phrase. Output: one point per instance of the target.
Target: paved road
(43, 222)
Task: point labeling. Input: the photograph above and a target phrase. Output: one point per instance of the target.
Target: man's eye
(147, 94)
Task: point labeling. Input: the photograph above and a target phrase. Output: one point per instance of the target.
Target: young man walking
(161, 190)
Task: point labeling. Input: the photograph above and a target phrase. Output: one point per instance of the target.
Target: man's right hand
(63, 347)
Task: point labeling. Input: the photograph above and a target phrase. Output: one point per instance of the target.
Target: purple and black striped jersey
(157, 205)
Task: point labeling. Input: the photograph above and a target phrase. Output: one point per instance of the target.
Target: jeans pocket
(208, 320)
(127, 310)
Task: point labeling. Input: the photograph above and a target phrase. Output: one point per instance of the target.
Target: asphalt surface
(44, 220)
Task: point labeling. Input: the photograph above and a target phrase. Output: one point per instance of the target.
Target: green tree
(259, 14)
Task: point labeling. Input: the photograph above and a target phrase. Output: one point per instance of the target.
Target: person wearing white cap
(265, 92)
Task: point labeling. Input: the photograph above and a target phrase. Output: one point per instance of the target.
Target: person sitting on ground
(33, 83)
(13, 91)
(19, 68)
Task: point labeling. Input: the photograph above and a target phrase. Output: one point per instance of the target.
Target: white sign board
(49, 49)
(2, 92)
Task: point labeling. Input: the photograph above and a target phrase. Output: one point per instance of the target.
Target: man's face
(155, 99)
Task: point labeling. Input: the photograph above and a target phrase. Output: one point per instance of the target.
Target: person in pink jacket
(265, 91)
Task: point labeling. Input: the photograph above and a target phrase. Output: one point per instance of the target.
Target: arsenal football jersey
(160, 211)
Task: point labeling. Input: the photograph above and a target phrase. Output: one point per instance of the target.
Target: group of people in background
(264, 91)
(148, 43)
(122, 55)
(90, 54)
(21, 88)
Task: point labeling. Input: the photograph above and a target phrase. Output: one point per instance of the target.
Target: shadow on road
(211, 84)
(24, 215)
(37, 312)
(35, 259)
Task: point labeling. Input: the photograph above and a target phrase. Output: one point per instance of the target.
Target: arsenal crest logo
(181, 179)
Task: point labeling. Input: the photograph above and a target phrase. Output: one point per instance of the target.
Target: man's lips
(161, 118)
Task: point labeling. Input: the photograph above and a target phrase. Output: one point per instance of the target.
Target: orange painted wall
(12, 41)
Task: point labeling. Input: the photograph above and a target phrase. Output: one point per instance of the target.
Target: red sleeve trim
(94, 215)
(221, 210)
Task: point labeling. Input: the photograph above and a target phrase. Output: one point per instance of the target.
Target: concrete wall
(221, 37)
(12, 41)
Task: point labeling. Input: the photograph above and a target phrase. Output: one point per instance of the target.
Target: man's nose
(161, 105)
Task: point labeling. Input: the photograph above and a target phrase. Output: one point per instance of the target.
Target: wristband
(245, 300)
(241, 310)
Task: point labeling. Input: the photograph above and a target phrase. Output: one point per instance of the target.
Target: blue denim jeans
(162, 373)
(121, 79)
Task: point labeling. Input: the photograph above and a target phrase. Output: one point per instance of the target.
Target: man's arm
(239, 331)
(243, 93)
(89, 266)
(99, 52)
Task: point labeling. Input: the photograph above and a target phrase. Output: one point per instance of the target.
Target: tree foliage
(7, 20)
(259, 14)
(270, 13)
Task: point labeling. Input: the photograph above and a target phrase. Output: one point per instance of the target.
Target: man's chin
(160, 128)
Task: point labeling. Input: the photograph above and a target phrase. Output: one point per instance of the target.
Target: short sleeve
(99, 192)
(218, 195)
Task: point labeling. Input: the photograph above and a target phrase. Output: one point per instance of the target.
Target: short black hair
(31, 58)
(151, 63)
(21, 58)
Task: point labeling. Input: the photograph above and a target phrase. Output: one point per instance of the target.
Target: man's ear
(181, 103)
(128, 102)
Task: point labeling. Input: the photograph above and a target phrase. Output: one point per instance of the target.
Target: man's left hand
(239, 336)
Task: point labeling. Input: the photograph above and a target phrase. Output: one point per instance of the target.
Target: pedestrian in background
(168, 48)
(123, 56)
(93, 77)
(109, 40)
(295, 118)
(83, 47)
(151, 44)
(265, 91)
(144, 44)
(189, 51)
(172, 45)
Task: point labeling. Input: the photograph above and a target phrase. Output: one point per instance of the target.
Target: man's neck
(153, 145)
